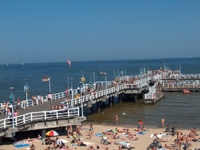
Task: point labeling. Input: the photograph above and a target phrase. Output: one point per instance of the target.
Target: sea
(178, 109)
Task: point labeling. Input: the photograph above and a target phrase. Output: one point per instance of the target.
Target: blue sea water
(14, 75)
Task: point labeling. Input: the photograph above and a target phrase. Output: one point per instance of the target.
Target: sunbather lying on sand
(168, 147)
(29, 140)
(130, 137)
(114, 136)
(97, 147)
(107, 133)
(163, 140)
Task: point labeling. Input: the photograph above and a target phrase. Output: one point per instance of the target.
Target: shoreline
(135, 126)
(141, 144)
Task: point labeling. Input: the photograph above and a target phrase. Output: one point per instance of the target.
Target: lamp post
(72, 104)
(68, 81)
(50, 85)
(125, 71)
(12, 106)
(114, 74)
(106, 82)
(94, 75)
(26, 90)
(81, 102)
(83, 82)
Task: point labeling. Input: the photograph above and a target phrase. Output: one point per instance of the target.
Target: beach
(140, 144)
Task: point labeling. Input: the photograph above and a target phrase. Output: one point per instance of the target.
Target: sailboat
(100, 72)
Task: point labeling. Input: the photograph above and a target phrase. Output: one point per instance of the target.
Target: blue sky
(81, 30)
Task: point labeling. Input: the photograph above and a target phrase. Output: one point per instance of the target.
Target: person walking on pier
(66, 92)
(163, 122)
(49, 97)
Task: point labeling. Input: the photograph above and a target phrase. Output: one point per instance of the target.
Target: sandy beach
(140, 144)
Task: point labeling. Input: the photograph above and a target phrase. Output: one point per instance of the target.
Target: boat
(69, 63)
(46, 79)
(186, 91)
(100, 72)
(22, 64)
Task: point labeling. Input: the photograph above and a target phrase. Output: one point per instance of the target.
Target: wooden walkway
(45, 106)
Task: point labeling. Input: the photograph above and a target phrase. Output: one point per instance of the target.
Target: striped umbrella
(52, 133)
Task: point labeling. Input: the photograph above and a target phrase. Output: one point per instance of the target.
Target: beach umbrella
(52, 133)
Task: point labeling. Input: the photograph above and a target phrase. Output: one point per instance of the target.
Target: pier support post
(113, 99)
(110, 101)
(104, 104)
(119, 98)
(44, 133)
(99, 106)
(136, 98)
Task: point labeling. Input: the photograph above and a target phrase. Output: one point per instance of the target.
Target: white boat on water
(100, 72)
(46, 79)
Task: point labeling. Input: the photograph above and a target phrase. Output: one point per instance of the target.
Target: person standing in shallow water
(163, 122)
(116, 120)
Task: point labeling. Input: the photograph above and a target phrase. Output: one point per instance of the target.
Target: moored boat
(46, 79)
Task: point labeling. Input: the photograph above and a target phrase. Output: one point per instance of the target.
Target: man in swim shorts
(163, 122)
(116, 120)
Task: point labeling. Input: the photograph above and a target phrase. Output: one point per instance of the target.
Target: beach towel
(123, 134)
(22, 145)
(99, 134)
(146, 130)
(122, 143)
(89, 143)
(75, 145)
(141, 133)
(85, 128)
(63, 140)
(165, 135)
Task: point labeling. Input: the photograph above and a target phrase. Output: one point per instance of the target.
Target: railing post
(57, 114)
(45, 115)
(31, 117)
(4, 123)
(16, 120)
(68, 113)
(24, 119)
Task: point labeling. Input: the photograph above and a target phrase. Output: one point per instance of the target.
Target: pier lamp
(12, 99)
(26, 89)
(94, 75)
(125, 71)
(72, 104)
(114, 73)
(106, 82)
(83, 82)
(81, 101)
(68, 81)
(50, 85)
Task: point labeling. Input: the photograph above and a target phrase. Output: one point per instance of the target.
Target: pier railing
(37, 116)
